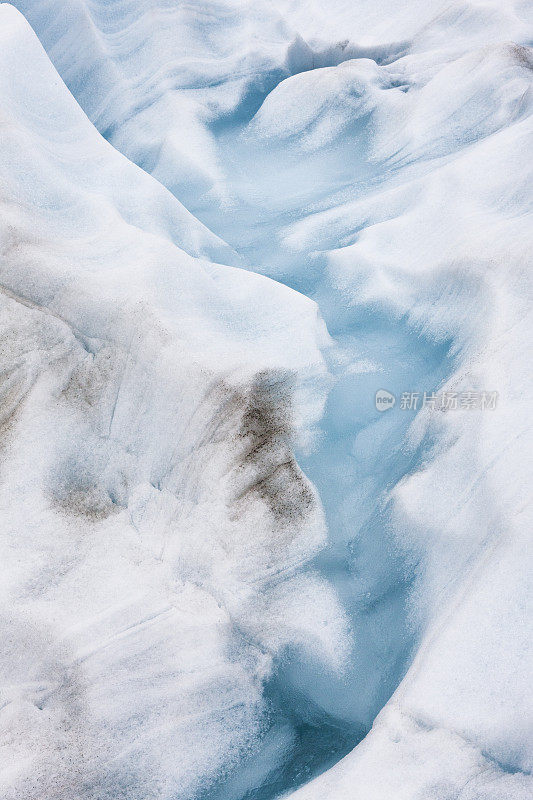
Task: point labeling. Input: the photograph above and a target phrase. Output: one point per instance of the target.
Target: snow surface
(226, 574)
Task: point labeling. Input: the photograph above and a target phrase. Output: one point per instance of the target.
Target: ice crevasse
(223, 227)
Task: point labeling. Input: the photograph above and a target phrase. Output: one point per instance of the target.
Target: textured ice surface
(223, 567)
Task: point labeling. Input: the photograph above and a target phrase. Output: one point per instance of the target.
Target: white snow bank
(156, 529)
(70, 158)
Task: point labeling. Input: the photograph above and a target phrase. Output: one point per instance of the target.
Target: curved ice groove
(386, 182)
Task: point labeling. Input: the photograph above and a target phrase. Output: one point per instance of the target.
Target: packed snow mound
(154, 78)
(156, 527)
(68, 157)
(218, 618)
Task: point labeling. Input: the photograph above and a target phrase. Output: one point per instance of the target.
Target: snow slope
(149, 401)
(212, 623)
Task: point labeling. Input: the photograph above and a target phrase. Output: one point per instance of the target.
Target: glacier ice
(224, 226)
